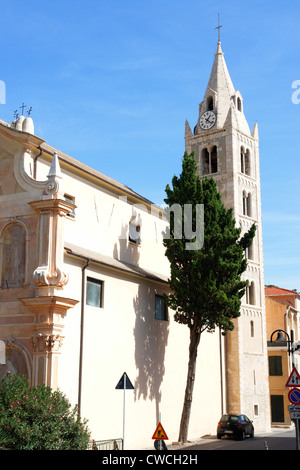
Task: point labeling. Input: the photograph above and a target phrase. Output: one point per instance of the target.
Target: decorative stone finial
(54, 176)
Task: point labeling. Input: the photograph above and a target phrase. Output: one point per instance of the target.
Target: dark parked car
(238, 426)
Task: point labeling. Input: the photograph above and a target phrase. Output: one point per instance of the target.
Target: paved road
(275, 440)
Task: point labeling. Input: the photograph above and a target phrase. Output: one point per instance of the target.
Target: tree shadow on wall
(151, 335)
(151, 338)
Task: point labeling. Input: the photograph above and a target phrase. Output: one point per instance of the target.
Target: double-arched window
(247, 204)
(209, 158)
(249, 252)
(250, 294)
(245, 161)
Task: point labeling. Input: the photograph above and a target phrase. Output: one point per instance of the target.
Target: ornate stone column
(50, 242)
(48, 305)
(51, 210)
(47, 339)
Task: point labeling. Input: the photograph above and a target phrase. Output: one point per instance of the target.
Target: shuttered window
(275, 365)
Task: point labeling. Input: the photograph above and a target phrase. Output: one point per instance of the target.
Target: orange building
(282, 313)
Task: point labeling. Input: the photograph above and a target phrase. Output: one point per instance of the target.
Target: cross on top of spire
(218, 27)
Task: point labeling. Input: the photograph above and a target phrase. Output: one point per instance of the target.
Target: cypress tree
(206, 282)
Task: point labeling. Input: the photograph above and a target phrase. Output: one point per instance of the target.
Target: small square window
(161, 312)
(94, 292)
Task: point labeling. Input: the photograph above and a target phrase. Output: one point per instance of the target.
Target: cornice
(219, 131)
(48, 304)
(30, 140)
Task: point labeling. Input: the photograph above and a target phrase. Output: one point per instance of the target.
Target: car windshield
(229, 419)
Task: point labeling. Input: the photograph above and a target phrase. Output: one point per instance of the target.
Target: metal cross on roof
(22, 107)
(218, 27)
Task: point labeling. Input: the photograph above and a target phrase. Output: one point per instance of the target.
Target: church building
(83, 273)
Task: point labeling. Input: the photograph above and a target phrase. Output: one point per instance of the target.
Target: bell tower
(226, 150)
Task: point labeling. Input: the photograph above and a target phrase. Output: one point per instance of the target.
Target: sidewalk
(189, 443)
(211, 437)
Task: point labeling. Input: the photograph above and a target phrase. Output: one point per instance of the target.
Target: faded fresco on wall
(13, 257)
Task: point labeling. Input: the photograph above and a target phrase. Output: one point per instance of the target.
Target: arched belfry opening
(210, 103)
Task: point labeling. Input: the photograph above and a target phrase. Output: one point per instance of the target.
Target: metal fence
(109, 444)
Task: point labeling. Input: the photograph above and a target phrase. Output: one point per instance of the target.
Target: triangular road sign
(128, 384)
(294, 379)
(160, 433)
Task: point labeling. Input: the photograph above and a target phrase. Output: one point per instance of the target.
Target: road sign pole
(294, 397)
(124, 412)
(123, 384)
(297, 434)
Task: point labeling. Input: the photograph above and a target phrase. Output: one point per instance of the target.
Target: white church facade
(83, 273)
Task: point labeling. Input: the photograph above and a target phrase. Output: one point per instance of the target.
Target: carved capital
(47, 343)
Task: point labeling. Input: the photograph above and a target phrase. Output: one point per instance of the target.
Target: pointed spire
(188, 132)
(55, 171)
(255, 131)
(219, 79)
(54, 184)
(221, 97)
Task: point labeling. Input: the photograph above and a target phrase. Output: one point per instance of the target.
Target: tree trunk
(187, 405)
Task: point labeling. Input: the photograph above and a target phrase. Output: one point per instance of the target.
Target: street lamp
(291, 350)
(281, 338)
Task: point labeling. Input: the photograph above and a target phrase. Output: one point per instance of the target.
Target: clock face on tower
(207, 120)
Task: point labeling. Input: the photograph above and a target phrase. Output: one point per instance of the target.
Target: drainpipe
(81, 331)
(87, 262)
(35, 162)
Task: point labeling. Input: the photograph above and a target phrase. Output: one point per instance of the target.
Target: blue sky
(111, 83)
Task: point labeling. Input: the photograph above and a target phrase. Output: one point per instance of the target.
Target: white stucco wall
(124, 336)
